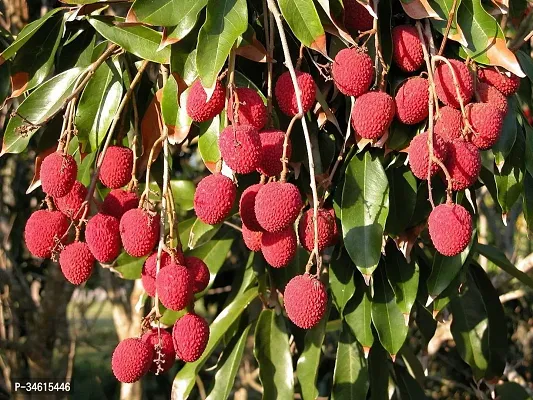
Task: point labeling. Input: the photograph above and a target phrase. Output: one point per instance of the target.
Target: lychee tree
(338, 149)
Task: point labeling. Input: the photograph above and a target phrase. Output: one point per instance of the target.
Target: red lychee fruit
(247, 207)
(71, 203)
(486, 122)
(463, 163)
(116, 168)
(507, 85)
(419, 155)
(279, 248)
(252, 239)
(372, 114)
(356, 16)
(148, 272)
(58, 173)
(139, 231)
(214, 198)
(174, 287)
(305, 300)
(306, 229)
(450, 228)
(412, 101)
(335, 236)
(272, 141)
(43, 232)
(199, 108)
(489, 94)
(277, 205)
(118, 201)
(449, 126)
(131, 360)
(199, 273)
(286, 96)
(103, 237)
(407, 48)
(76, 262)
(445, 87)
(252, 110)
(240, 147)
(190, 335)
(352, 71)
(161, 342)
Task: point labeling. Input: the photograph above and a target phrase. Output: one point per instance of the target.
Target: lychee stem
(284, 159)
(230, 86)
(451, 15)
(379, 62)
(269, 39)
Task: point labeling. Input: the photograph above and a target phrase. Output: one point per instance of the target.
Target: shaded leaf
(527, 201)
(129, 267)
(201, 233)
(341, 280)
(303, 19)
(378, 366)
(408, 386)
(249, 47)
(403, 190)
(183, 192)
(512, 391)
(151, 128)
(498, 257)
(183, 63)
(419, 9)
(85, 168)
(358, 315)
(507, 139)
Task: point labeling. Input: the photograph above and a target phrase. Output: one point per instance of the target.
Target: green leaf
(379, 373)
(226, 20)
(408, 386)
(444, 270)
(341, 280)
(282, 276)
(185, 228)
(85, 168)
(129, 267)
(201, 233)
(512, 391)
(443, 9)
(273, 356)
(183, 63)
(509, 184)
(425, 322)
(403, 189)
(42, 103)
(176, 118)
(303, 19)
(139, 40)
(505, 143)
(364, 210)
(167, 12)
(498, 257)
(358, 315)
(5, 81)
(183, 192)
(77, 52)
(527, 201)
(208, 142)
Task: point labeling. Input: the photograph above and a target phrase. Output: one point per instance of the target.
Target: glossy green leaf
(167, 12)
(77, 51)
(378, 366)
(303, 19)
(341, 280)
(85, 169)
(183, 63)
(208, 142)
(282, 276)
(443, 9)
(185, 228)
(176, 118)
(413, 364)
(498, 257)
(358, 315)
(274, 356)
(408, 386)
(443, 271)
(505, 143)
(425, 322)
(509, 185)
(183, 192)
(129, 267)
(403, 189)
(201, 233)
(512, 391)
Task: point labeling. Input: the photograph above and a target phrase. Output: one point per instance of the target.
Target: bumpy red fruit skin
(486, 122)
(419, 155)
(76, 262)
(489, 94)
(352, 71)
(463, 164)
(252, 110)
(372, 114)
(450, 228)
(240, 148)
(335, 236)
(412, 101)
(279, 248)
(199, 273)
(198, 108)
(58, 173)
(277, 205)
(42, 231)
(449, 126)
(407, 48)
(139, 231)
(272, 151)
(131, 360)
(306, 229)
(71, 203)
(148, 272)
(174, 287)
(247, 207)
(445, 87)
(305, 300)
(356, 16)
(252, 239)
(103, 237)
(505, 84)
(118, 201)
(286, 96)
(152, 338)
(116, 168)
(190, 335)
(214, 198)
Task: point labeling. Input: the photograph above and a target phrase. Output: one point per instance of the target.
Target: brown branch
(451, 16)
(284, 159)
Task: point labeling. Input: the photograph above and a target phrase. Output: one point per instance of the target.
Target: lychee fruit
(279, 248)
(335, 236)
(286, 96)
(131, 360)
(118, 201)
(71, 203)
(487, 122)
(352, 71)
(450, 228)
(76, 262)
(174, 287)
(463, 163)
(372, 114)
(149, 270)
(412, 101)
(43, 232)
(161, 342)
(449, 126)
(489, 94)
(58, 173)
(139, 231)
(419, 155)
(199, 108)
(240, 148)
(214, 198)
(252, 110)
(190, 335)
(507, 85)
(306, 229)
(407, 48)
(445, 87)
(198, 272)
(272, 141)
(116, 167)
(252, 239)
(247, 207)
(305, 300)
(277, 205)
(103, 237)
(356, 16)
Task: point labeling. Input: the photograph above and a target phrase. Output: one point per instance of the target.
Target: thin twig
(269, 29)
(451, 16)
(344, 145)
(284, 159)
(230, 87)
